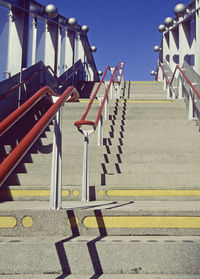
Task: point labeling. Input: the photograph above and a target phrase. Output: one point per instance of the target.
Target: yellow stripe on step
(114, 222)
(150, 101)
(7, 222)
(31, 193)
(153, 193)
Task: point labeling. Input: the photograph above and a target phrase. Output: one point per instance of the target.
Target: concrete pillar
(4, 37)
(197, 37)
(69, 58)
(15, 42)
(51, 45)
(173, 48)
(32, 39)
(184, 41)
(166, 52)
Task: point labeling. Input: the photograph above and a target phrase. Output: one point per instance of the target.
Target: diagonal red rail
(94, 123)
(25, 144)
(183, 74)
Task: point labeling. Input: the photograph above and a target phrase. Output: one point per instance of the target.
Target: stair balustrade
(92, 125)
(191, 92)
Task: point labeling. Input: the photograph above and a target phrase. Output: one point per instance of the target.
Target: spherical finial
(85, 28)
(179, 9)
(161, 28)
(51, 10)
(100, 73)
(94, 49)
(72, 21)
(157, 48)
(168, 21)
(153, 73)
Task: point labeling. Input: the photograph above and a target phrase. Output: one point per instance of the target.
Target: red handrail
(94, 124)
(122, 73)
(25, 144)
(184, 75)
(187, 79)
(168, 81)
(94, 95)
(2, 96)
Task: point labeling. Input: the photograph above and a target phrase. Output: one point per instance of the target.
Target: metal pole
(56, 175)
(106, 104)
(191, 106)
(85, 185)
(100, 125)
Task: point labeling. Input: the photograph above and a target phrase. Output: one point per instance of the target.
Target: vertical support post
(197, 36)
(56, 175)
(107, 104)
(180, 86)
(112, 85)
(100, 126)
(191, 105)
(85, 182)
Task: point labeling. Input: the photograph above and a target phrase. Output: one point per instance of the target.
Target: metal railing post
(56, 169)
(107, 104)
(85, 181)
(191, 105)
(112, 85)
(100, 125)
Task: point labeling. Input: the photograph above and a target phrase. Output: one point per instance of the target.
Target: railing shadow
(91, 245)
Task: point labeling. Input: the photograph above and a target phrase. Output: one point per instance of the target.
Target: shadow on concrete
(91, 245)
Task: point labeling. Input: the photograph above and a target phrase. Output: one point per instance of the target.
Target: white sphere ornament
(85, 28)
(94, 49)
(51, 11)
(179, 9)
(168, 21)
(72, 21)
(153, 73)
(100, 73)
(156, 48)
(161, 28)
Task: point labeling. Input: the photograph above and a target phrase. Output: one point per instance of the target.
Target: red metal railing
(25, 144)
(94, 124)
(183, 74)
(4, 95)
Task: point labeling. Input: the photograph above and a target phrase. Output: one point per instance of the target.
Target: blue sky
(122, 30)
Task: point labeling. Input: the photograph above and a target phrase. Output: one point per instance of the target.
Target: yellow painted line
(153, 193)
(148, 101)
(31, 193)
(155, 82)
(87, 101)
(7, 222)
(142, 222)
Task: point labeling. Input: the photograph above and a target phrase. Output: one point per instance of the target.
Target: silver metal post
(100, 126)
(56, 175)
(191, 106)
(107, 104)
(85, 182)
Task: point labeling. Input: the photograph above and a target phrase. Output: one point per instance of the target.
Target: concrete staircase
(143, 220)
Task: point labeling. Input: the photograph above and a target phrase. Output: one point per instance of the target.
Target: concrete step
(102, 276)
(94, 255)
(102, 193)
(122, 218)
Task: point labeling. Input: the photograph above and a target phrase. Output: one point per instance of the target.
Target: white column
(50, 45)
(173, 48)
(197, 44)
(69, 49)
(165, 46)
(15, 42)
(4, 34)
(32, 38)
